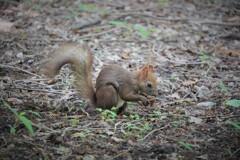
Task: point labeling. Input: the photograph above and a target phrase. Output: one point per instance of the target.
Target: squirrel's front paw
(145, 101)
(151, 99)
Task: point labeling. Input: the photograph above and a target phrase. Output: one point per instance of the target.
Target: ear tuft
(150, 68)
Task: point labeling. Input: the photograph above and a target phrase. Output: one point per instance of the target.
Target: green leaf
(223, 87)
(12, 130)
(144, 32)
(87, 7)
(35, 113)
(228, 151)
(99, 109)
(74, 121)
(22, 113)
(163, 3)
(27, 123)
(235, 124)
(9, 107)
(135, 116)
(186, 145)
(120, 24)
(203, 56)
(233, 103)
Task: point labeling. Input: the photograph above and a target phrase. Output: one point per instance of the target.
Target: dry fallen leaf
(175, 95)
(32, 14)
(219, 48)
(125, 56)
(15, 101)
(6, 26)
(76, 135)
(117, 139)
(189, 83)
(196, 120)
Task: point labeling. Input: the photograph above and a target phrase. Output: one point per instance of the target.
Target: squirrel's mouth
(144, 94)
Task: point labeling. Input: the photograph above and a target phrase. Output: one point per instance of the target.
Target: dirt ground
(193, 45)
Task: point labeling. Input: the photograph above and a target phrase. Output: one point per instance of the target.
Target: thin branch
(153, 132)
(235, 152)
(40, 90)
(18, 69)
(202, 22)
(98, 34)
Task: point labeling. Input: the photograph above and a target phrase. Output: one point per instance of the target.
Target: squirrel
(115, 85)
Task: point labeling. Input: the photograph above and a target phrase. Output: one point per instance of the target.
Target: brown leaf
(175, 95)
(6, 26)
(189, 83)
(8, 11)
(125, 56)
(32, 14)
(117, 139)
(196, 120)
(15, 101)
(219, 48)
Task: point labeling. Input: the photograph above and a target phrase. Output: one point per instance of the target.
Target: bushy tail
(81, 61)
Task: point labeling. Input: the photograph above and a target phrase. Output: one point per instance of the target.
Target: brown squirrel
(114, 84)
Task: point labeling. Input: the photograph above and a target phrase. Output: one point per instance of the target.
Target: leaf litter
(193, 46)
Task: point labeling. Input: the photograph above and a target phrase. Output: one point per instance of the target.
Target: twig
(97, 34)
(39, 126)
(153, 132)
(177, 62)
(10, 2)
(209, 22)
(86, 25)
(18, 69)
(41, 90)
(235, 152)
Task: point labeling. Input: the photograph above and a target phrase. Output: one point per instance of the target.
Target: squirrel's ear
(150, 68)
(144, 72)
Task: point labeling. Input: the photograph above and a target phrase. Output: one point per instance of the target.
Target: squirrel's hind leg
(106, 97)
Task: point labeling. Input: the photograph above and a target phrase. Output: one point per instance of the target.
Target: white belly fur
(120, 102)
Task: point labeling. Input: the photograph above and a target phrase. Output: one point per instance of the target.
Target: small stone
(20, 55)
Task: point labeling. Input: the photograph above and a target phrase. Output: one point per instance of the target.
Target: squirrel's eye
(149, 85)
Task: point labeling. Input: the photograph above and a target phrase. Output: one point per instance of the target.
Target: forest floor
(193, 45)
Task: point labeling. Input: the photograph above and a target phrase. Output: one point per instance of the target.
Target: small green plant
(236, 125)
(136, 130)
(142, 30)
(33, 5)
(132, 126)
(87, 7)
(69, 81)
(127, 133)
(137, 27)
(20, 117)
(186, 145)
(222, 86)
(85, 134)
(174, 77)
(74, 121)
(108, 114)
(233, 103)
(135, 116)
(92, 8)
(146, 127)
(203, 56)
(163, 3)
(121, 24)
(228, 151)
